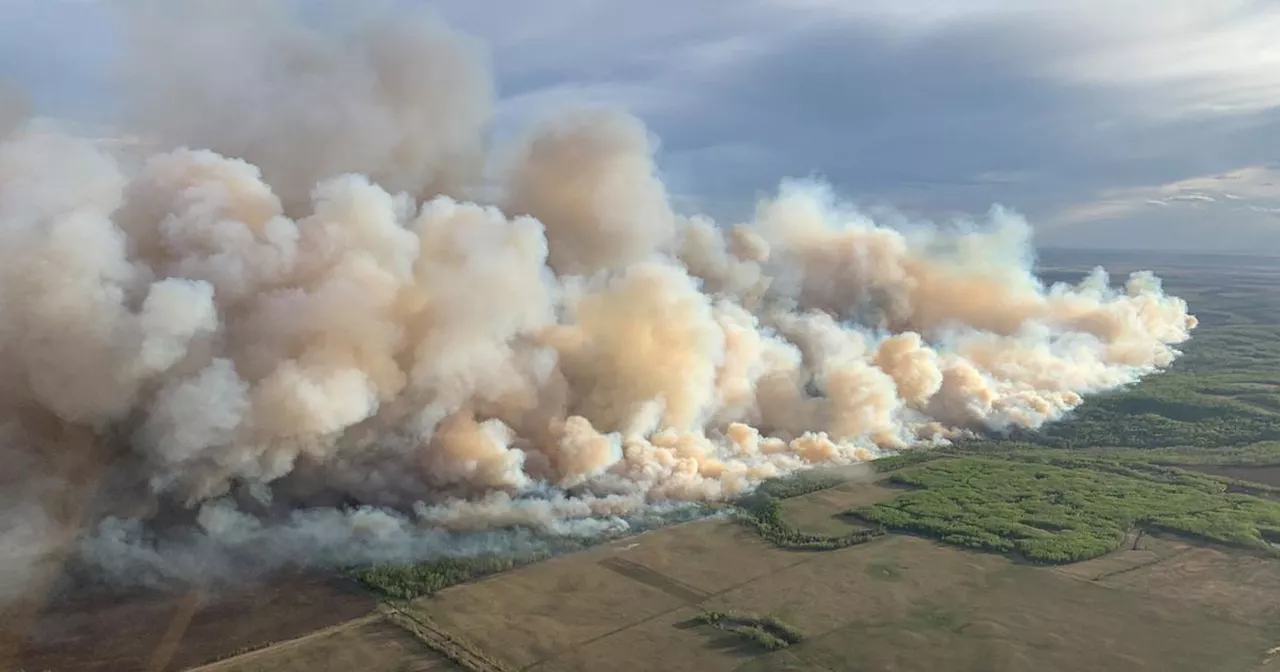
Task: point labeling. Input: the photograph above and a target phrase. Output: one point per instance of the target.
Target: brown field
(370, 644)
(1227, 585)
(900, 603)
(96, 634)
(105, 633)
(821, 512)
(896, 603)
(1137, 552)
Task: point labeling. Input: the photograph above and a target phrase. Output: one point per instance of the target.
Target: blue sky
(1110, 123)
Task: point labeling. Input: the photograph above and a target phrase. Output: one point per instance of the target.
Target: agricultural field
(897, 602)
(156, 631)
(1140, 534)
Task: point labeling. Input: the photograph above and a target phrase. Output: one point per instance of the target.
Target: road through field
(234, 662)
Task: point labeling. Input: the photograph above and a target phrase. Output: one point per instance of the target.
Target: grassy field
(899, 602)
(1139, 534)
(767, 632)
(370, 644)
(106, 632)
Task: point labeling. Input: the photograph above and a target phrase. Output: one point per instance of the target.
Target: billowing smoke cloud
(294, 322)
(366, 87)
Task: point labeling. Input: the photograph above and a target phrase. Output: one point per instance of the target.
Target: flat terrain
(106, 632)
(897, 603)
(369, 644)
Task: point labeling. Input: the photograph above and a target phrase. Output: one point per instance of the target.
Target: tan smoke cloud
(589, 178)
(297, 293)
(366, 87)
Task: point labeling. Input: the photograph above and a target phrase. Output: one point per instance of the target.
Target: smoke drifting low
(308, 319)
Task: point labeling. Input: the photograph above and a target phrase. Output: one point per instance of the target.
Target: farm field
(371, 643)
(102, 632)
(899, 602)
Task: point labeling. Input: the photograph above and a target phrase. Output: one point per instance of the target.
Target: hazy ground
(1177, 574)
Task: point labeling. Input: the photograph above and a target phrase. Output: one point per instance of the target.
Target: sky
(1140, 124)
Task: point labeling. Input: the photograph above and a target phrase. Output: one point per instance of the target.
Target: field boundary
(462, 653)
(237, 658)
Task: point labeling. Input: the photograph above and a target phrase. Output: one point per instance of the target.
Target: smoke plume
(287, 332)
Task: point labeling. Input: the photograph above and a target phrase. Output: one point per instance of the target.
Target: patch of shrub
(764, 515)
(407, 581)
(768, 632)
(1067, 509)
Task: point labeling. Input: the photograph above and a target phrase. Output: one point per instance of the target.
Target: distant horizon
(1157, 251)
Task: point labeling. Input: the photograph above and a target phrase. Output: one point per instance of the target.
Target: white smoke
(298, 300)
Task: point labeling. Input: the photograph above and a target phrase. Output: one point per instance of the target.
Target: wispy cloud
(1248, 189)
(1234, 210)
